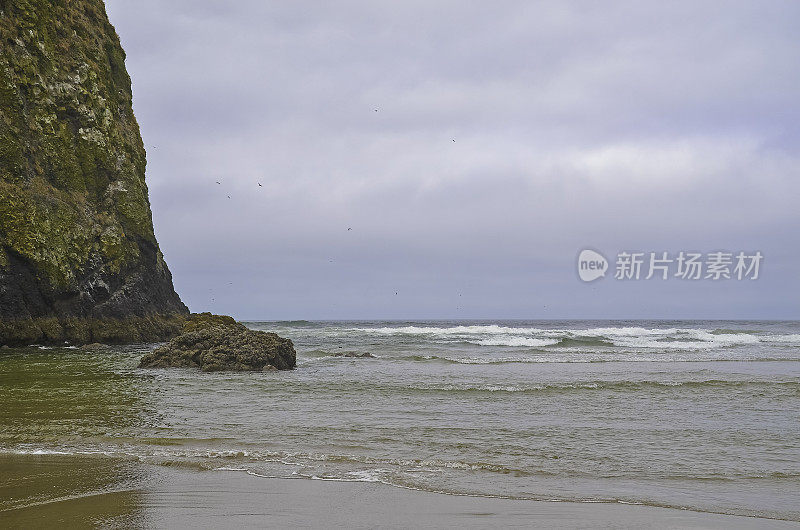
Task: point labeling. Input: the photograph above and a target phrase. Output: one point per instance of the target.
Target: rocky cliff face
(78, 257)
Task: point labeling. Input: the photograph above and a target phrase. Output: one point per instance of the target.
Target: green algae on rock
(79, 259)
(87, 330)
(217, 343)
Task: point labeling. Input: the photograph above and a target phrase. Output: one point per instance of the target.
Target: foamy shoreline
(99, 491)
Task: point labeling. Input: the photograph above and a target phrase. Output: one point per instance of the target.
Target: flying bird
(217, 182)
(348, 228)
(229, 196)
(259, 185)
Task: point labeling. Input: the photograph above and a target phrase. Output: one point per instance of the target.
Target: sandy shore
(69, 491)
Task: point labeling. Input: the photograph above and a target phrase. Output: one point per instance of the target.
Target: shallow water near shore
(100, 491)
(701, 415)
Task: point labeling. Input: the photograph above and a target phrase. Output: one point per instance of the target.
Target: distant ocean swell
(538, 356)
(625, 337)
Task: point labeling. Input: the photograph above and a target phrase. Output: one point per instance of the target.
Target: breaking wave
(599, 337)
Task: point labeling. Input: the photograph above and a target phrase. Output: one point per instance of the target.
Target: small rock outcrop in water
(215, 343)
(79, 260)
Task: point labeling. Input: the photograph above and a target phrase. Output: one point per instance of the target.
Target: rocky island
(79, 260)
(214, 343)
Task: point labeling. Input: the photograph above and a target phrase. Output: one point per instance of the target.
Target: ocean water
(701, 415)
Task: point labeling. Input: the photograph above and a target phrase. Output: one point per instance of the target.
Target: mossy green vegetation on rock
(82, 330)
(215, 343)
(76, 231)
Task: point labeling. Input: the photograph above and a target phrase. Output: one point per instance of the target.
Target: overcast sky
(473, 148)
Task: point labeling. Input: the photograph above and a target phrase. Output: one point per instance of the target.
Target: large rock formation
(214, 343)
(78, 257)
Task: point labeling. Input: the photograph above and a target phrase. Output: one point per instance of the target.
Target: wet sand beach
(97, 491)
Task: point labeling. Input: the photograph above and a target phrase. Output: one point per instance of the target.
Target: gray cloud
(619, 125)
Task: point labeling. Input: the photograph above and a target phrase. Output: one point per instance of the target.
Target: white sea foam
(515, 341)
(698, 339)
(624, 332)
(480, 388)
(793, 338)
(47, 452)
(368, 475)
(494, 360)
(667, 345)
(493, 388)
(454, 330)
